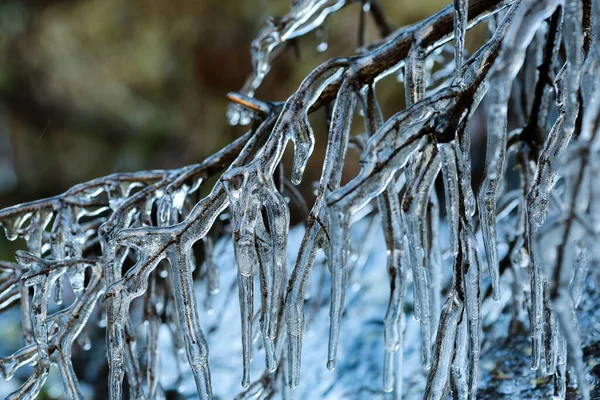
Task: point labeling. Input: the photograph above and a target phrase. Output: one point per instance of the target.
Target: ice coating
(134, 234)
(305, 16)
(530, 16)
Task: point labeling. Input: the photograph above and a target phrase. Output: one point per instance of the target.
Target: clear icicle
(437, 379)
(414, 217)
(570, 329)
(550, 333)
(250, 186)
(391, 224)
(246, 258)
(279, 221)
(294, 311)
(451, 190)
(42, 284)
(392, 145)
(560, 376)
(458, 377)
(472, 288)
(269, 296)
(536, 312)
(212, 272)
(436, 272)
(115, 340)
(315, 234)
(249, 224)
(338, 267)
(580, 270)
(187, 311)
(338, 257)
(338, 262)
(152, 345)
(463, 163)
(530, 15)
(556, 143)
(496, 146)
(389, 208)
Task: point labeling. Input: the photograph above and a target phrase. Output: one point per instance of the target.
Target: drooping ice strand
(137, 235)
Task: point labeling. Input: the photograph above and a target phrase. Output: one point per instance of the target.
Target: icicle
(556, 143)
(496, 147)
(246, 189)
(154, 245)
(250, 186)
(463, 162)
(269, 296)
(567, 84)
(187, 311)
(451, 190)
(560, 376)
(152, 348)
(278, 220)
(397, 139)
(25, 305)
(391, 223)
(34, 239)
(58, 342)
(531, 15)
(338, 267)
(294, 309)
(472, 287)
(550, 333)
(459, 371)
(389, 209)
(580, 270)
(118, 328)
(115, 340)
(41, 277)
(437, 379)
(246, 258)
(414, 216)
(212, 272)
(83, 307)
(58, 290)
(435, 270)
(536, 311)
(330, 179)
(570, 330)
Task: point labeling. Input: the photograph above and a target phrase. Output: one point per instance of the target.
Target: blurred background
(92, 87)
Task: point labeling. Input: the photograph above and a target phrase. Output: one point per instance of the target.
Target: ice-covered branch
(132, 235)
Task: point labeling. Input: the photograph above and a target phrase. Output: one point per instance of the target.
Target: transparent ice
(144, 258)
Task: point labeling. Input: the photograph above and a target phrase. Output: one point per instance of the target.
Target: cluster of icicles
(131, 235)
